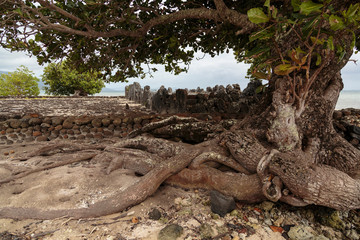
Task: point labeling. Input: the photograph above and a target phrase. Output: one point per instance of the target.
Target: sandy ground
(80, 184)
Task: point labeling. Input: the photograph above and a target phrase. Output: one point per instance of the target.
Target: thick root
(316, 183)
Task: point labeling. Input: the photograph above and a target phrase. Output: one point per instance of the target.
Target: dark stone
(251, 88)
(57, 121)
(15, 123)
(117, 122)
(221, 204)
(35, 121)
(106, 122)
(155, 214)
(170, 232)
(337, 115)
(42, 139)
(96, 122)
(356, 136)
(68, 123)
(355, 129)
(82, 121)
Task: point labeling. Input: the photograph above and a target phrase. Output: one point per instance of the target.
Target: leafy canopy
(61, 79)
(123, 38)
(22, 82)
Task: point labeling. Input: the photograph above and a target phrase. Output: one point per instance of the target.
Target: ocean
(347, 99)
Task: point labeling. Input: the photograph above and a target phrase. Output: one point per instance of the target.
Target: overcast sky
(221, 70)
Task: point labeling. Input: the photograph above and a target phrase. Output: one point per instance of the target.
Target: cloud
(9, 61)
(220, 70)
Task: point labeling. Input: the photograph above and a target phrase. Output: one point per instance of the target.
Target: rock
(329, 217)
(68, 123)
(57, 121)
(35, 121)
(117, 122)
(267, 205)
(96, 122)
(337, 115)
(15, 123)
(155, 214)
(82, 121)
(206, 231)
(221, 204)
(45, 125)
(352, 234)
(170, 232)
(42, 139)
(301, 232)
(106, 122)
(37, 133)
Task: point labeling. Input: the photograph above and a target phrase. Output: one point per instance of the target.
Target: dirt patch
(80, 184)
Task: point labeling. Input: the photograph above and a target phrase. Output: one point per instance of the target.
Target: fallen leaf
(277, 229)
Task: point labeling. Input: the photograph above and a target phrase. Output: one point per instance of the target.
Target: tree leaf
(330, 43)
(336, 23)
(296, 5)
(260, 75)
(267, 3)
(256, 15)
(318, 59)
(284, 69)
(309, 6)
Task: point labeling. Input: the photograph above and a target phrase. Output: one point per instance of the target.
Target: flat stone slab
(68, 106)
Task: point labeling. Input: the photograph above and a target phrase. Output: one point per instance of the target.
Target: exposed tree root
(254, 173)
(135, 194)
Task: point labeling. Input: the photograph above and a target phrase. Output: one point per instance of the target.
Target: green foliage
(22, 82)
(61, 79)
(318, 29)
(121, 39)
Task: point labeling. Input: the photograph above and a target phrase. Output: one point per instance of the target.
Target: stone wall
(43, 128)
(219, 99)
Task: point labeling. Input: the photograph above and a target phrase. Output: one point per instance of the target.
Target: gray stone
(155, 214)
(170, 232)
(221, 204)
(301, 232)
(206, 231)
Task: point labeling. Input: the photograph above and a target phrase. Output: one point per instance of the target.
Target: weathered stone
(58, 127)
(301, 232)
(82, 121)
(68, 123)
(155, 214)
(117, 121)
(35, 121)
(57, 121)
(42, 139)
(96, 122)
(37, 133)
(206, 231)
(15, 123)
(221, 204)
(170, 232)
(98, 136)
(45, 125)
(106, 122)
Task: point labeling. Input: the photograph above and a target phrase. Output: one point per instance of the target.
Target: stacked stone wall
(34, 127)
(219, 99)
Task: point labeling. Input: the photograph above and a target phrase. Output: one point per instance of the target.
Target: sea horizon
(347, 98)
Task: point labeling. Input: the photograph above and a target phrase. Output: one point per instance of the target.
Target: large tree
(285, 149)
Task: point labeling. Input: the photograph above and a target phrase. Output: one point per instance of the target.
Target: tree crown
(121, 38)
(21, 82)
(61, 79)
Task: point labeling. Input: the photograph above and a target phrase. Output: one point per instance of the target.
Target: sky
(207, 72)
